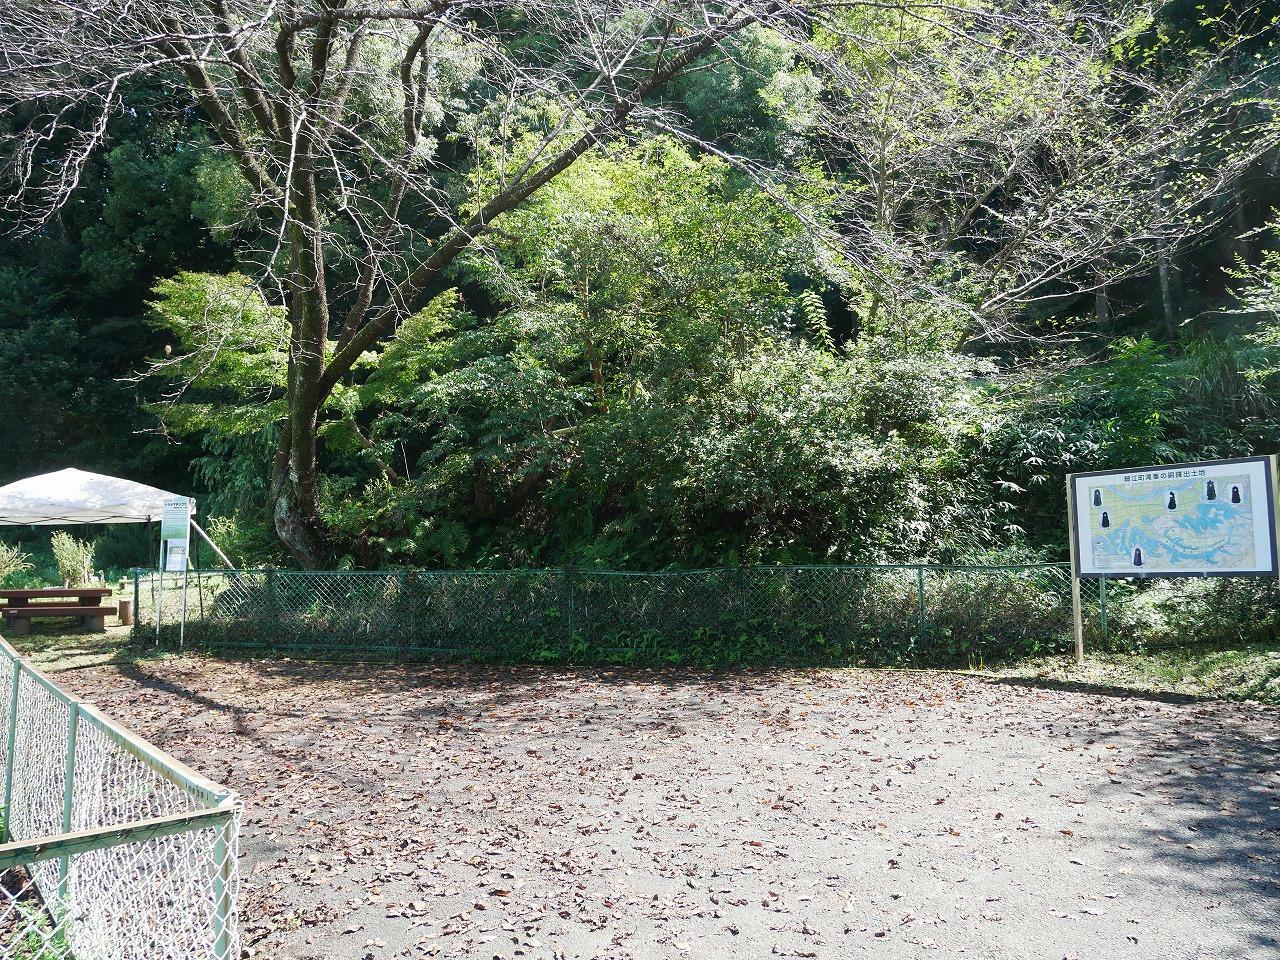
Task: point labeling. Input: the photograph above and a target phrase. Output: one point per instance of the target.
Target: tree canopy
(635, 284)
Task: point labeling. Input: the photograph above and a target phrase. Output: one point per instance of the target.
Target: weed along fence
(796, 615)
(112, 849)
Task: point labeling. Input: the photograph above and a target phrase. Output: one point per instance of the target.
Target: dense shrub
(74, 558)
(12, 562)
(1206, 611)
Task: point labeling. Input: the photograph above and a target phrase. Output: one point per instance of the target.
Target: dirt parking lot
(462, 812)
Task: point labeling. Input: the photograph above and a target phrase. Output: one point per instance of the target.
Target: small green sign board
(175, 522)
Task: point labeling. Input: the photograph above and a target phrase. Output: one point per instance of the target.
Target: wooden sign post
(1077, 614)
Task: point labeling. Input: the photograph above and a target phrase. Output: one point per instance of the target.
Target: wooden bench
(83, 603)
(18, 619)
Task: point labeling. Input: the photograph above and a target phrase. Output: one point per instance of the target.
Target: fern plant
(813, 313)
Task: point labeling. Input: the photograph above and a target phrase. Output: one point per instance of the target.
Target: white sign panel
(1187, 519)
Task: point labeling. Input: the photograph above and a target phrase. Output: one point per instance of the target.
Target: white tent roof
(73, 496)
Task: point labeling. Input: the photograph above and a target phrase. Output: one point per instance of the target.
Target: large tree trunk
(295, 505)
(295, 495)
(296, 521)
(1102, 308)
(301, 532)
(1167, 285)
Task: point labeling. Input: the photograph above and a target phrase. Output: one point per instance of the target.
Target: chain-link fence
(112, 849)
(784, 614)
(1177, 611)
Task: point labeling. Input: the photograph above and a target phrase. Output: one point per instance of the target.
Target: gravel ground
(420, 812)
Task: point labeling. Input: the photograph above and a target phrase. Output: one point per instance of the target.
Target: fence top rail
(588, 571)
(209, 792)
(39, 849)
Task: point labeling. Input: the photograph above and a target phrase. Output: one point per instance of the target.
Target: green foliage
(1166, 613)
(113, 551)
(120, 547)
(13, 561)
(72, 328)
(417, 350)
(227, 346)
(246, 544)
(74, 558)
(664, 388)
(148, 219)
(40, 365)
(758, 100)
(652, 363)
(41, 931)
(1143, 403)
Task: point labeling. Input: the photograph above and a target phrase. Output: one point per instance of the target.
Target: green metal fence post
(68, 792)
(1102, 609)
(14, 679)
(273, 614)
(920, 595)
(569, 598)
(222, 894)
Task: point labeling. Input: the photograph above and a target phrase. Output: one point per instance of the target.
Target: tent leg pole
(160, 587)
(216, 549)
(159, 602)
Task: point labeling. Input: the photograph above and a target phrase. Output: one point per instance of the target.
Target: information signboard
(175, 531)
(175, 521)
(1216, 518)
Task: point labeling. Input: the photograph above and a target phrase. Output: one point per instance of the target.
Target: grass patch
(53, 647)
(1238, 671)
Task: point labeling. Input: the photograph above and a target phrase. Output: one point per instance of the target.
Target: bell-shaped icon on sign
(1137, 556)
(1173, 501)
(1106, 519)
(1097, 498)
(1210, 491)
(1235, 494)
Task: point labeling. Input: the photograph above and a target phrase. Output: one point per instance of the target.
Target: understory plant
(12, 560)
(74, 558)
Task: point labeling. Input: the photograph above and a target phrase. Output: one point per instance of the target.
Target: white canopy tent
(73, 496)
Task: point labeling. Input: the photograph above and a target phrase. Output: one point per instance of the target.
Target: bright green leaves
(653, 255)
(664, 387)
(227, 361)
(224, 333)
(418, 346)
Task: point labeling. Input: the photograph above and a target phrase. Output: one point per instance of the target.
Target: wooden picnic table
(82, 594)
(83, 603)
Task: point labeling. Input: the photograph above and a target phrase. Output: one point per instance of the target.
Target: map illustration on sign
(1213, 518)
